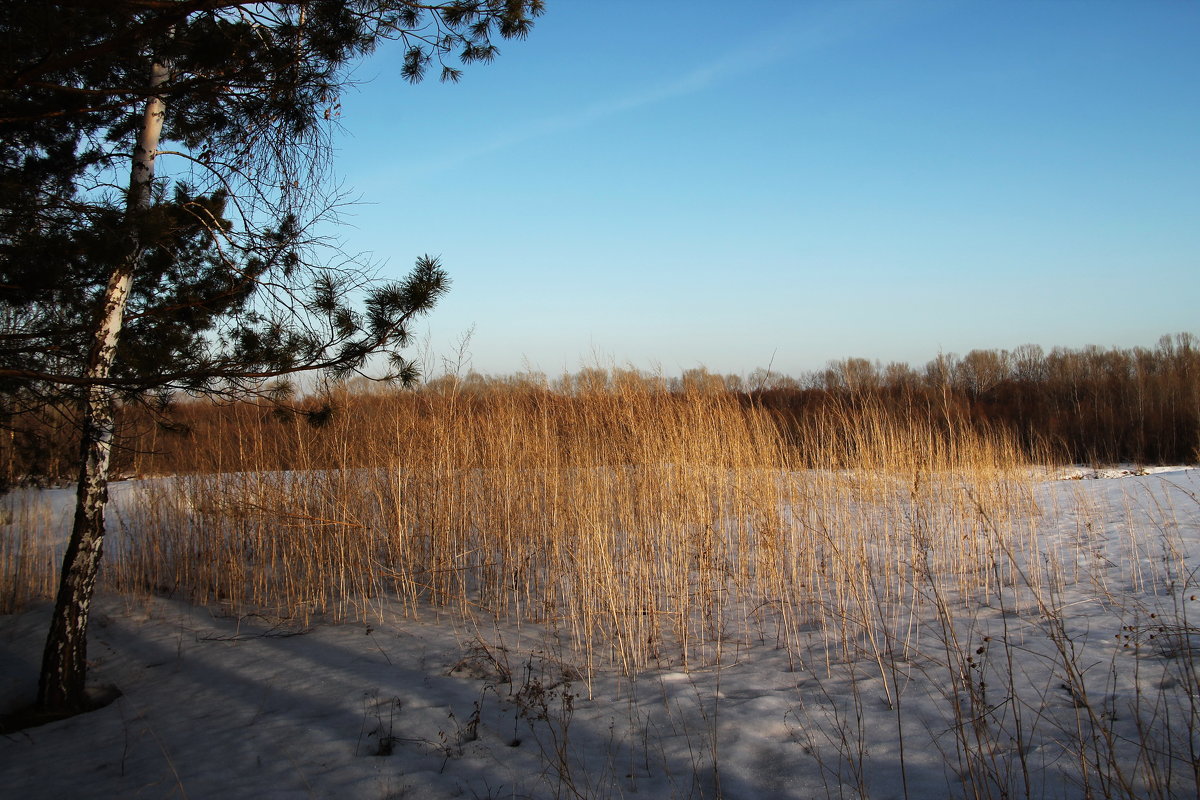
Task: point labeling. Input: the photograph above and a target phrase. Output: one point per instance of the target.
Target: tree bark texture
(61, 687)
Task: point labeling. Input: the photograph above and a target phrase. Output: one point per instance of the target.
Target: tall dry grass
(639, 522)
(28, 555)
(890, 555)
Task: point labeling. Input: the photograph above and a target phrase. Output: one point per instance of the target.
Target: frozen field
(1079, 682)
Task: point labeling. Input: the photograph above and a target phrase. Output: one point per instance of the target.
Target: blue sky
(669, 184)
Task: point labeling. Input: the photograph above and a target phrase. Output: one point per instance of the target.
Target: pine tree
(120, 281)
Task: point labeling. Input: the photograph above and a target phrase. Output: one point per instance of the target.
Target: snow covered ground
(1085, 689)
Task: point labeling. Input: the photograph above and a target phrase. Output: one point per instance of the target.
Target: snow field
(1079, 681)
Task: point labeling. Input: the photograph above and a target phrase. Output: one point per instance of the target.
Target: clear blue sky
(669, 184)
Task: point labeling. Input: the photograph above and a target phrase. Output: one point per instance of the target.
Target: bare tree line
(1092, 404)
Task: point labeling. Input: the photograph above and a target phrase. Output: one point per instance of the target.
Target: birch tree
(207, 279)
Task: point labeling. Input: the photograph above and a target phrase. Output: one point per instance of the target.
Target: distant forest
(1090, 405)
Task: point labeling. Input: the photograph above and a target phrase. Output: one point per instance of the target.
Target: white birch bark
(64, 662)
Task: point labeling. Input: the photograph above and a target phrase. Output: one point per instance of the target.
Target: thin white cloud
(800, 35)
(804, 34)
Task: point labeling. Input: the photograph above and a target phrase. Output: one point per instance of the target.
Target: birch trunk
(61, 687)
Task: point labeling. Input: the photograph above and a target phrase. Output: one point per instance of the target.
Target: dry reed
(649, 527)
(638, 521)
(28, 553)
